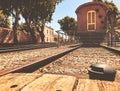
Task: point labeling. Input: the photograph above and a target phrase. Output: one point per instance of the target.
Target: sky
(67, 8)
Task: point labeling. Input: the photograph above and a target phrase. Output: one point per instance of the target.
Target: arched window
(91, 20)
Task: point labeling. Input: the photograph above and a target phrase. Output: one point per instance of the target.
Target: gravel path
(19, 58)
(78, 61)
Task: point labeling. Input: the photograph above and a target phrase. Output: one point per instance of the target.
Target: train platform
(53, 82)
(112, 48)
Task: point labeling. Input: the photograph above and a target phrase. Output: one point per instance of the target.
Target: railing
(117, 43)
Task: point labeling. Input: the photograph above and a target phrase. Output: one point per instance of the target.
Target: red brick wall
(6, 36)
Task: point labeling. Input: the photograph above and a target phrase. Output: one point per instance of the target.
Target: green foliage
(38, 12)
(4, 20)
(12, 7)
(35, 12)
(22, 26)
(68, 25)
(9, 7)
(112, 14)
(112, 22)
(112, 7)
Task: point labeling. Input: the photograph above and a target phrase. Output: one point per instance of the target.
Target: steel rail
(36, 65)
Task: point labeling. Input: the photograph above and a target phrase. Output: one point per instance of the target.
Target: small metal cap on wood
(102, 72)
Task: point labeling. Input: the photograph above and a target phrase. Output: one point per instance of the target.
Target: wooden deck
(53, 82)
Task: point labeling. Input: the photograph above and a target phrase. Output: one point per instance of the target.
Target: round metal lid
(102, 68)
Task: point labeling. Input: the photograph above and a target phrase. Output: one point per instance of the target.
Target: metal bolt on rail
(101, 72)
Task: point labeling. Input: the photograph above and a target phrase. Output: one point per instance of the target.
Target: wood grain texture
(110, 86)
(50, 82)
(53, 82)
(14, 82)
(97, 85)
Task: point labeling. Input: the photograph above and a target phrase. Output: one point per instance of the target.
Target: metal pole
(58, 40)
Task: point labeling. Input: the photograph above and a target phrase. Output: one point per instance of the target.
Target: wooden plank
(87, 85)
(97, 85)
(51, 82)
(110, 86)
(15, 82)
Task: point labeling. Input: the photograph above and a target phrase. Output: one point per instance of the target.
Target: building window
(91, 20)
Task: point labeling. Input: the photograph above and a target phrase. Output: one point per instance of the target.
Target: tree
(28, 14)
(44, 14)
(68, 25)
(112, 13)
(118, 20)
(12, 8)
(35, 12)
(38, 12)
(118, 24)
(112, 21)
(22, 26)
(4, 20)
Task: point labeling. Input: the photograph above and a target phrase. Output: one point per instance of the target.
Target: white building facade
(49, 34)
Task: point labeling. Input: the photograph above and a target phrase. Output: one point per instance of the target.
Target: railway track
(73, 62)
(32, 59)
(25, 47)
(77, 62)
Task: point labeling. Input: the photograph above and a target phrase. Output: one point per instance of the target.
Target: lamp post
(59, 32)
(58, 43)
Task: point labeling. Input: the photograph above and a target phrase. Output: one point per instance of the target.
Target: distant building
(62, 37)
(49, 35)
